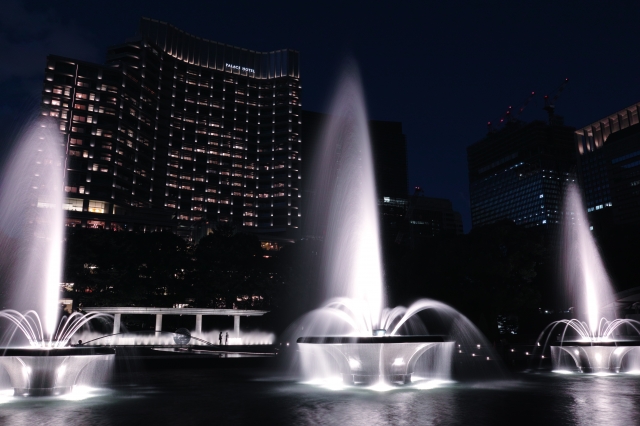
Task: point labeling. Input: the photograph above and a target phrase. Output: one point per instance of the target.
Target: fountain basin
(48, 371)
(366, 360)
(592, 357)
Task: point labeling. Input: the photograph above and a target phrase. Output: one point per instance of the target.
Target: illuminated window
(95, 224)
(73, 223)
(270, 245)
(97, 206)
(73, 204)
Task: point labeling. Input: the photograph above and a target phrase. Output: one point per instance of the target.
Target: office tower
(418, 217)
(518, 173)
(389, 150)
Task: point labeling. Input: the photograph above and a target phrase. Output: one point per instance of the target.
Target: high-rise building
(389, 157)
(418, 217)
(177, 129)
(434, 216)
(388, 147)
(519, 172)
(609, 166)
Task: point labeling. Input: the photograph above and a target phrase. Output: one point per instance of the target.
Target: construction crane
(550, 102)
(508, 116)
(524, 105)
(409, 215)
(495, 125)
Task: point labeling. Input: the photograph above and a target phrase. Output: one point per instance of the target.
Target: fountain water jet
(353, 334)
(594, 345)
(32, 228)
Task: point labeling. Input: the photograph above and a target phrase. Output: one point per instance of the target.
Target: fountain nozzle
(379, 332)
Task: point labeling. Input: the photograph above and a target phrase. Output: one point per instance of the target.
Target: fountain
(596, 345)
(353, 334)
(31, 231)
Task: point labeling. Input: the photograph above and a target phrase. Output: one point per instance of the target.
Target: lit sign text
(239, 68)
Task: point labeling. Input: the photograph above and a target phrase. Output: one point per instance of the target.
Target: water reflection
(604, 400)
(238, 396)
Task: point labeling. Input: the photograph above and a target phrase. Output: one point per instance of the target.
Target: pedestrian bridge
(159, 312)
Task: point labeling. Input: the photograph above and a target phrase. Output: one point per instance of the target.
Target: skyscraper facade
(609, 166)
(175, 130)
(388, 146)
(389, 151)
(417, 218)
(390, 157)
(519, 173)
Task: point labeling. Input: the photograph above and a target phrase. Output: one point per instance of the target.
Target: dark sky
(442, 68)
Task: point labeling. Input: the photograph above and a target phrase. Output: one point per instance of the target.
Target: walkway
(159, 312)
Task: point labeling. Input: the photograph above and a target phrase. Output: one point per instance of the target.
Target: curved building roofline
(202, 52)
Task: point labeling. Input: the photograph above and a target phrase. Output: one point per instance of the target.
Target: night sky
(441, 68)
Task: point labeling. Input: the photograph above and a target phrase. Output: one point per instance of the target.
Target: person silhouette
(220, 338)
(226, 338)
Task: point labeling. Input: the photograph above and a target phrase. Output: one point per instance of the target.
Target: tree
(125, 268)
(230, 271)
(489, 272)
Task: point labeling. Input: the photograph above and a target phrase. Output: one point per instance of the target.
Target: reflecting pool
(250, 395)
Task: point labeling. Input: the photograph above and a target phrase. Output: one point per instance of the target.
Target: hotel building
(179, 132)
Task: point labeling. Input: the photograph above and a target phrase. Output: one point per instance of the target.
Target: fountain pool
(31, 240)
(597, 344)
(354, 334)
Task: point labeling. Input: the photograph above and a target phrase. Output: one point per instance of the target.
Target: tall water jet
(32, 221)
(345, 180)
(587, 279)
(32, 228)
(354, 334)
(594, 342)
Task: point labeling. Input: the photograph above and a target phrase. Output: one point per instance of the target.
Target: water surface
(250, 396)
